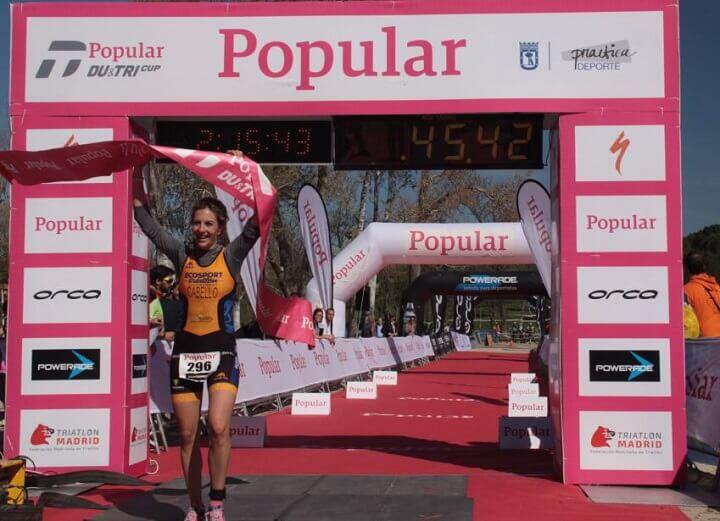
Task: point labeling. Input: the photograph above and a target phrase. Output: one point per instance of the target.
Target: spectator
(391, 327)
(410, 327)
(165, 308)
(367, 329)
(703, 293)
(329, 318)
(319, 326)
(379, 328)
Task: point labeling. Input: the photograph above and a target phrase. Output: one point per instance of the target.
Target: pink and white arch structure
(382, 244)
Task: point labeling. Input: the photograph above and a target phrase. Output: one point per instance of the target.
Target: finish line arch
(607, 80)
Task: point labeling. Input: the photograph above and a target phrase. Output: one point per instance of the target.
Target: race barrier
(269, 368)
(702, 372)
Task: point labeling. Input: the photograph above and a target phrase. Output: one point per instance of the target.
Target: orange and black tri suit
(204, 349)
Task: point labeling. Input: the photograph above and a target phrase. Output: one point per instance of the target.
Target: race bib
(198, 366)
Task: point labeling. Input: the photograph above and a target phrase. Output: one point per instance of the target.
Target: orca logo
(75, 294)
(139, 297)
(629, 294)
(73, 64)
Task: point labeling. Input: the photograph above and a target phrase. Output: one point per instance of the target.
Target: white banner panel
(624, 366)
(46, 138)
(128, 58)
(66, 437)
(68, 225)
(620, 153)
(623, 295)
(67, 295)
(138, 435)
(53, 366)
(139, 241)
(627, 440)
(139, 298)
(621, 223)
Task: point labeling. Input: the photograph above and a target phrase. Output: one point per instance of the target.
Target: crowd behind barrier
(268, 368)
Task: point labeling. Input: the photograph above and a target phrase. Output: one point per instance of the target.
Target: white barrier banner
(269, 367)
(702, 370)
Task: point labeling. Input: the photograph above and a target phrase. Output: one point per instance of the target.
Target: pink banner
(280, 317)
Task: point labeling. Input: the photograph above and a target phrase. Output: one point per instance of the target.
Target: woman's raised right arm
(163, 241)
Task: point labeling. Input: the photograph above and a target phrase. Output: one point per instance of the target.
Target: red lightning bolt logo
(621, 145)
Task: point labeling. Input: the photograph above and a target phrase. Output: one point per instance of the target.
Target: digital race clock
(484, 141)
(481, 141)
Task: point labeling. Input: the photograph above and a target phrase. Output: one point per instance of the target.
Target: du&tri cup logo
(68, 48)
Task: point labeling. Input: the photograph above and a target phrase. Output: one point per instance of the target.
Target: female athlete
(204, 349)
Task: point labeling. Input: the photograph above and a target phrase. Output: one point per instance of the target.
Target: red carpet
(442, 418)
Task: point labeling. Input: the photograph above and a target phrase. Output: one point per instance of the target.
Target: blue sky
(700, 83)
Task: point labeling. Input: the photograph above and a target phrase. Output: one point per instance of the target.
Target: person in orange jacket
(703, 293)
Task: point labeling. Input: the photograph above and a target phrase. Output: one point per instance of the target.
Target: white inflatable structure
(383, 244)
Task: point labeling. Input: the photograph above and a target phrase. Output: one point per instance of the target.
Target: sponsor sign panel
(522, 378)
(525, 433)
(138, 435)
(624, 366)
(527, 406)
(65, 366)
(248, 431)
(67, 295)
(68, 225)
(139, 366)
(139, 298)
(521, 390)
(311, 404)
(702, 372)
(620, 153)
(46, 138)
(361, 391)
(66, 437)
(626, 440)
(623, 295)
(139, 241)
(285, 58)
(621, 223)
(385, 377)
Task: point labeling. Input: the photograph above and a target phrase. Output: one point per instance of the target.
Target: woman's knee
(219, 427)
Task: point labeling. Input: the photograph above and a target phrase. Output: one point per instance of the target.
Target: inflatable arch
(383, 244)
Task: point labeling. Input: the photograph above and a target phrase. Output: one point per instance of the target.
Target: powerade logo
(488, 282)
(624, 366)
(65, 364)
(103, 60)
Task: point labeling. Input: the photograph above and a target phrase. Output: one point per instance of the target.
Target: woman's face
(318, 316)
(205, 228)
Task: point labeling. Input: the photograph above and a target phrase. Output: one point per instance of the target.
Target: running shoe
(194, 515)
(215, 513)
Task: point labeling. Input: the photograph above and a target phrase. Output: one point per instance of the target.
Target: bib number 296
(198, 366)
